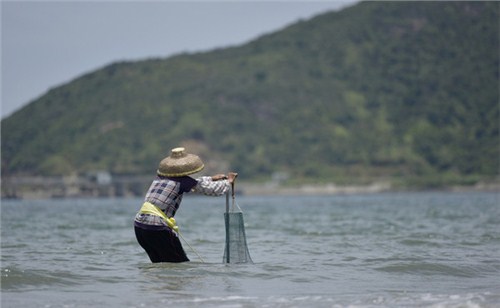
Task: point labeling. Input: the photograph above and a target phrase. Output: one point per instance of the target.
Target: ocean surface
(374, 250)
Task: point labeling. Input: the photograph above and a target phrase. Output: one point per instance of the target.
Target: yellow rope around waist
(151, 209)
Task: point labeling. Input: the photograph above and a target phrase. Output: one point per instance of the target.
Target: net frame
(236, 248)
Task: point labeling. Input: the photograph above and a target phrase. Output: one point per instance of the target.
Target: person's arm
(216, 185)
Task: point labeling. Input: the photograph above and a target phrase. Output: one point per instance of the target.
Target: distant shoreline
(135, 186)
(333, 189)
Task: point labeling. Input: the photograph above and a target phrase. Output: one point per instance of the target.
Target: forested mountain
(380, 89)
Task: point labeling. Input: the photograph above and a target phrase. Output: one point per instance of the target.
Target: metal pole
(226, 218)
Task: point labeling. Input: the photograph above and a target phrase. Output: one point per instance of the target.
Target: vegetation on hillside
(381, 89)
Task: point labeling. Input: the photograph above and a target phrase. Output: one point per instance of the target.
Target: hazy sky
(49, 43)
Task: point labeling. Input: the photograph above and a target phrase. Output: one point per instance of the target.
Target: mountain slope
(378, 89)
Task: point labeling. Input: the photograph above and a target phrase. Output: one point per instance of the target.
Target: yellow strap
(151, 209)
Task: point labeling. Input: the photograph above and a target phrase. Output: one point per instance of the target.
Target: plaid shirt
(166, 194)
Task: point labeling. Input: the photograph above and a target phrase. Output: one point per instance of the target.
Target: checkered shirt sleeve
(208, 187)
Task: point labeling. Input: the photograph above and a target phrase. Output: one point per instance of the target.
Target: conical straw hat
(180, 163)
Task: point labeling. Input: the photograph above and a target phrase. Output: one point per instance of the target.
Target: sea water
(375, 250)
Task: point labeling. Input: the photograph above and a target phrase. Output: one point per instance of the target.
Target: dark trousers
(161, 245)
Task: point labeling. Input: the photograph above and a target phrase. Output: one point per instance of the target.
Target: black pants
(161, 245)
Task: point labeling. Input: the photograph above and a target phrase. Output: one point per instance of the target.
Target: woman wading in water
(155, 228)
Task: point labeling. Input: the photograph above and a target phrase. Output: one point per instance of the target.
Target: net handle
(227, 202)
(226, 218)
(232, 194)
(233, 181)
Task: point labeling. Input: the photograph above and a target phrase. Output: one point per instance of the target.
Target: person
(154, 225)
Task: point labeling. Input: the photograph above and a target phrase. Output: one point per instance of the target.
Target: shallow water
(380, 250)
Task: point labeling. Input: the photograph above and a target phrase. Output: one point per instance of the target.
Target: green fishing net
(236, 249)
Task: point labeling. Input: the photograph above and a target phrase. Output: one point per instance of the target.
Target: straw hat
(180, 163)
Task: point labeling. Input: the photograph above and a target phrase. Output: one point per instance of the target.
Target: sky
(45, 44)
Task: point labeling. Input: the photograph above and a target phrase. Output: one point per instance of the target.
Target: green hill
(381, 89)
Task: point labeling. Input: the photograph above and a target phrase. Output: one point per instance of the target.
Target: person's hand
(231, 177)
(219, 177)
